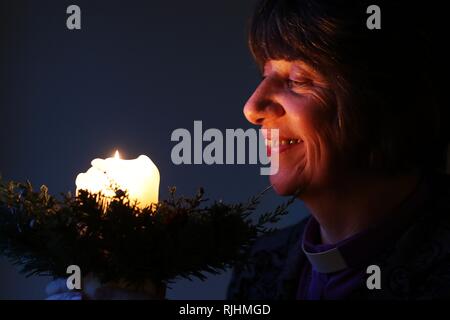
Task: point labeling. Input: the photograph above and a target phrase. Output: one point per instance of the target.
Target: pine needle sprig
(185, 237)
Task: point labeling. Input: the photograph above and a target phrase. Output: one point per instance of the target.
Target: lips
(282, 145)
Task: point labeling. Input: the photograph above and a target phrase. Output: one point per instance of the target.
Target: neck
(353, 204)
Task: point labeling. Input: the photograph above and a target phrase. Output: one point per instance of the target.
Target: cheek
(311, 116)
(318, 130)
(306, 166)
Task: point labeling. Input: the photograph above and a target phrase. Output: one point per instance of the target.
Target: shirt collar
(361, 247)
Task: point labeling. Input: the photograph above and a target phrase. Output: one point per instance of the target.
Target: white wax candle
(138, 177)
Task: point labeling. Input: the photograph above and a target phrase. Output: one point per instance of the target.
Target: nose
(262, 105)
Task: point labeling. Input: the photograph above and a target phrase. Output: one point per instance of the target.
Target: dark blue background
(135, 72)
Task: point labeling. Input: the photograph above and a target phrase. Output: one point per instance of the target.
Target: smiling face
(297, 100)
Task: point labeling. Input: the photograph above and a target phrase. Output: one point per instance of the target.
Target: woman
(363, 145)
(359, 106)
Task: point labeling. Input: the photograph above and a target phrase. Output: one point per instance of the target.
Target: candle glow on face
(138, 177)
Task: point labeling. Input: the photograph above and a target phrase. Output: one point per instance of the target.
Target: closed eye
(293, 84)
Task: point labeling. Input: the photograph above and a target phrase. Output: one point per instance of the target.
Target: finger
(56, 286)
(66, 296)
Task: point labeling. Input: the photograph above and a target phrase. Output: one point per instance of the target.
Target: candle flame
(117, 155)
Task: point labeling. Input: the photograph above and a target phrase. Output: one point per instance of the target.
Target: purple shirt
(334, 271)
(315, 285)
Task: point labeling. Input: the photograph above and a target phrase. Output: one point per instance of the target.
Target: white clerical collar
(323, 260)
(327, 261)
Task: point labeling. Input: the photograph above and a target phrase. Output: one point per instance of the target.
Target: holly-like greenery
(178, 237)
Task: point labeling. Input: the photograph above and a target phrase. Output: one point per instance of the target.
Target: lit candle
(138, 177)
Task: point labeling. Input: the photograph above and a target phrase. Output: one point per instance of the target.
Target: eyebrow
(305, 68)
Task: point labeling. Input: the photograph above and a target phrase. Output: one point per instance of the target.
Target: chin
(284, 187)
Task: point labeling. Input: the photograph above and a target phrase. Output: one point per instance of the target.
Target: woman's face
(297, 101)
